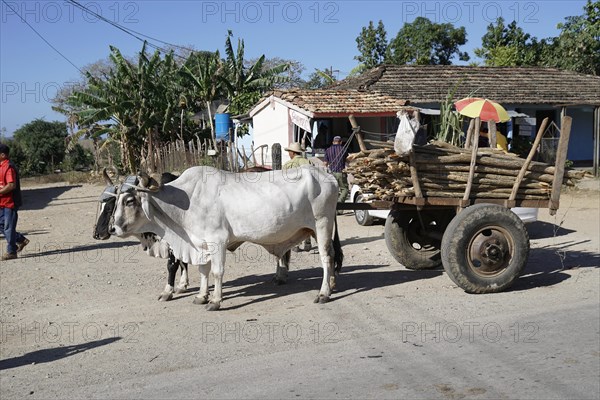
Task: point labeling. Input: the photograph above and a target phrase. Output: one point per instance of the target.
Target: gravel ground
(79, 318)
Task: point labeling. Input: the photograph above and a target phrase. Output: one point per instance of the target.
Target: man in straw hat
(296, 158)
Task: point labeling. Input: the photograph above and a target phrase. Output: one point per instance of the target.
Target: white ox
(206, 212)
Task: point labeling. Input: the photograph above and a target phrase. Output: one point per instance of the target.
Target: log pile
(443, 171)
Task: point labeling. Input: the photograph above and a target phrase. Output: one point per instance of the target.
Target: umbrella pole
(492, 133)
(465, 200)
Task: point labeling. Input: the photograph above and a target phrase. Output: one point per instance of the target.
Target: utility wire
(41, 37)
(131, 32)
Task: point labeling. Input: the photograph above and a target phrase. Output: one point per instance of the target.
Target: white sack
(405, 136)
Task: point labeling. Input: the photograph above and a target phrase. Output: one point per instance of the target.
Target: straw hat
(294, 147)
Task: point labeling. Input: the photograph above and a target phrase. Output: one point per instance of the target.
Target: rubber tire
(362, 217)
(464, 228)
(398, 228)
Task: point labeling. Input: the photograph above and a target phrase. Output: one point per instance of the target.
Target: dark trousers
(8, 225)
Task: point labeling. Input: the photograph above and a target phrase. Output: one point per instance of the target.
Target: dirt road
(79, 318)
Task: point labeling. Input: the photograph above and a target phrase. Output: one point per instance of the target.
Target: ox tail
(338, 254)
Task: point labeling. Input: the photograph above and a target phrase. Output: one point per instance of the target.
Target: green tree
(42, 146)
(424, 42)
(577, 47)
(77, 158)
(319, 79)
(372, 45)
(508, 46)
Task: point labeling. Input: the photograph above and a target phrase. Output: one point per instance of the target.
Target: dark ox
(150, 242)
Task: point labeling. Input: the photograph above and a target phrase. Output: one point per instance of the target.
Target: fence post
(276, 155)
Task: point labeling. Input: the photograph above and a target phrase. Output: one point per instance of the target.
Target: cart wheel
(362, 216)
(485, 248)
(416, 245)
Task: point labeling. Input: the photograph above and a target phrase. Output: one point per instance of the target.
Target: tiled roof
(327, 102)
(509, 85)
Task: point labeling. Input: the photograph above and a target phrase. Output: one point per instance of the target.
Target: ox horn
(107, 179)
(147, 182)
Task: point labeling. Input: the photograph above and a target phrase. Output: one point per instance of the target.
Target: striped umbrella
(486, 110)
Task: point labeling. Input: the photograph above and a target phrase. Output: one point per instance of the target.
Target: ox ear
(147, 182)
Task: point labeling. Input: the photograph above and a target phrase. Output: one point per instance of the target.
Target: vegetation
(421, 42)
(141, 103)
(576, 48)
(39, 147)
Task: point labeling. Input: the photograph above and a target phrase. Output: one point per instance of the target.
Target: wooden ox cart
(467, 227)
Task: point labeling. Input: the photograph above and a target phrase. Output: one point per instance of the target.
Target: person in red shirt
(9, 187)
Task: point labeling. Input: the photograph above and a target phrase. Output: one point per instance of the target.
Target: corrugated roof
(509, 85)
(328, 102)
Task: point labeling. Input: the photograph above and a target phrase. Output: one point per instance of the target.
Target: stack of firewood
(443, 171)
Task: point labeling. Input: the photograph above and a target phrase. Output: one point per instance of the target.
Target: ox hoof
(200, 300)
(213, 306)
(165, 297)
(321, 299)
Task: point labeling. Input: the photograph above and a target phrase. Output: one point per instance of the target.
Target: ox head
(131, 205)
(107, 205)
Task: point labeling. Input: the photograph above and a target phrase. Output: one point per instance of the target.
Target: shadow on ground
(39, 198)
(544, 230)
(53, 354)
(353, 279)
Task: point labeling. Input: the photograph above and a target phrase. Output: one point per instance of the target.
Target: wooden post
(470, 134)
(419, 201)
(465, 199)
(356, 129)
(523, 171)
(276, 155)
(561, 158)
(492, 133)
(244, 158)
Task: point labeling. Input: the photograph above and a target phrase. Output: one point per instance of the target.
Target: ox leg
(172, 267)
(217, 270)
(202, 297)
(184, 280)
(281, 274)
(324, 233)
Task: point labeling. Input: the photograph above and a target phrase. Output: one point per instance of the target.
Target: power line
(41, 37)
(131, 32)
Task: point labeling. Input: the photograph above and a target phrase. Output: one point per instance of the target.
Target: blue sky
(320, 34)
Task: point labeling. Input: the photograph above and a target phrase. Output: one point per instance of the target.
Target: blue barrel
(222, 124)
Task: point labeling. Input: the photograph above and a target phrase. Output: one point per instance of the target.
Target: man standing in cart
(335, 160)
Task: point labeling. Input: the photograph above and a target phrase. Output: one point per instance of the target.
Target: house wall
(271, 125)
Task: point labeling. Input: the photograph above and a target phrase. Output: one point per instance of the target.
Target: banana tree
(246, 84)
(204, 73)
